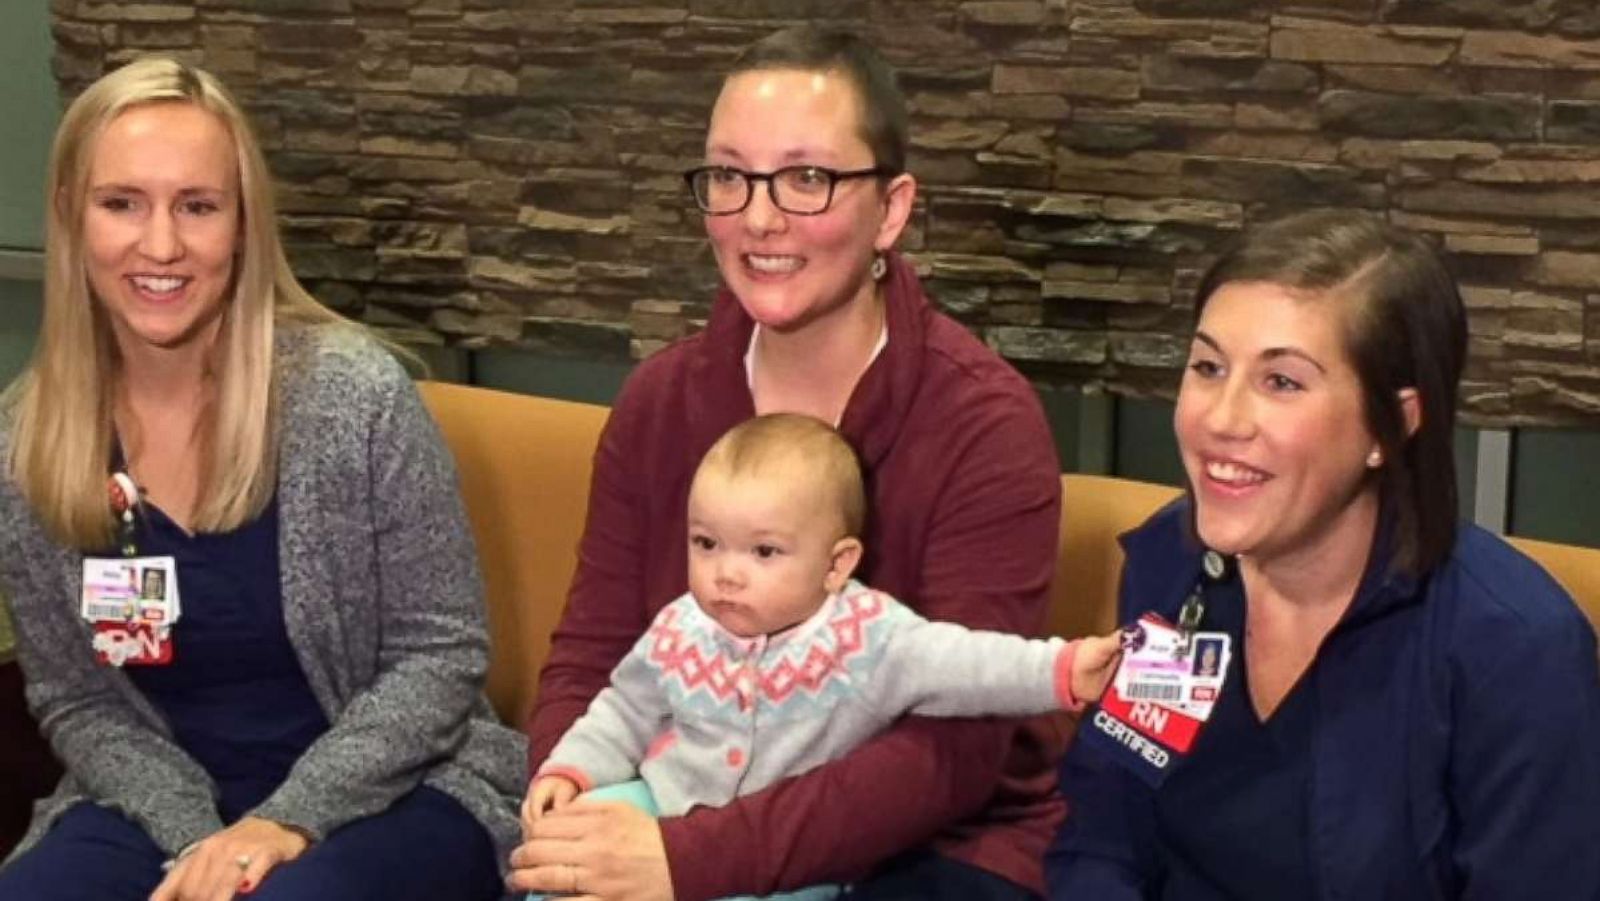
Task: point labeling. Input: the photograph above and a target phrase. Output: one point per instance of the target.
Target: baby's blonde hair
(793, 446)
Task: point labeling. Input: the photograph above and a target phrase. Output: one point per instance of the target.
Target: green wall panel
(441, 364)
(1145, 448)
(565, 379)
(1466, 445)
(19, 324)
(28, 109)
(1061, 410)
(1555, 477)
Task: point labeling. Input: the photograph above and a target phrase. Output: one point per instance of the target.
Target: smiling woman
(789, 259)
(247, 607)
(161, 230)
(804, 194)
(1412, 708)
(1271, 428)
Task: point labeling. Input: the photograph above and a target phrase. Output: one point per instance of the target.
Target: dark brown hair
(1406, 328)
(811, 48)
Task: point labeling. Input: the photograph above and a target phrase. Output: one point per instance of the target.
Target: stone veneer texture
(506, 172)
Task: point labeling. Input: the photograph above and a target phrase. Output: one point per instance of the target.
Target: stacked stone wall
(506, 172)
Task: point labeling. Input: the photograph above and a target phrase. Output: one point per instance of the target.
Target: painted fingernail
(246, 887)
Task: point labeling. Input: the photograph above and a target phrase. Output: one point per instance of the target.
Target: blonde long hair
(62, 405)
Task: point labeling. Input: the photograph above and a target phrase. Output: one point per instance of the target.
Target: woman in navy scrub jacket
(1412, 707)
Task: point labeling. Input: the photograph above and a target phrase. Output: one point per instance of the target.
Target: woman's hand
(595, 850)
(1094, 664)
(230, 862)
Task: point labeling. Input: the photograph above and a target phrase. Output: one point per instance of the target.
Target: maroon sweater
(964, 494)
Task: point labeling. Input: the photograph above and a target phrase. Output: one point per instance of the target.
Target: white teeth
(774, 264)
(1233, 473)
(158, 284)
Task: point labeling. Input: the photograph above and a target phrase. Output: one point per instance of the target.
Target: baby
(776, 661)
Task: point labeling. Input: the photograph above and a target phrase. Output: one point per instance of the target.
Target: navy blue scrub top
(1235, 813)
(234, 693)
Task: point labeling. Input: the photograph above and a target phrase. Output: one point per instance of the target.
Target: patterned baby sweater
(703, 715)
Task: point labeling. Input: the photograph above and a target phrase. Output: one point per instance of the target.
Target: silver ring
(243, 860)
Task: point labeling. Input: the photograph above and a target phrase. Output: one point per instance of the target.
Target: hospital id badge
(130, 589)
(131, 604)
(1165, 690)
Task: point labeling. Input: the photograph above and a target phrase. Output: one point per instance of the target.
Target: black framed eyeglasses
(801, 190)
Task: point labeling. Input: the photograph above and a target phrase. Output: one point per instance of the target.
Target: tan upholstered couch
(524, 465)
(525, 462)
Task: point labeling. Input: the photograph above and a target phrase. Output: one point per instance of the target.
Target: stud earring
(1375, 459)
(880, 268)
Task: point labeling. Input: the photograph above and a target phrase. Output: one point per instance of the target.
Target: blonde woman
(300, 715)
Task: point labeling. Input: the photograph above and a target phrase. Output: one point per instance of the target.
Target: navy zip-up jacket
(1455, 749)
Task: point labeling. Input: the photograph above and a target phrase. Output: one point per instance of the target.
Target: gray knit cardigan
(383, 604)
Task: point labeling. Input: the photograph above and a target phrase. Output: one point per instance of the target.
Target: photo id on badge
(1186, 676)
(1163, 693)
(132, 603)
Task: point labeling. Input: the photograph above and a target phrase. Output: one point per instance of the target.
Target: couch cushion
(1094, 511)
(524, 464)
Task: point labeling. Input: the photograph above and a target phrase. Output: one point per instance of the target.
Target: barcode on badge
(108, 612)
(1153, 691)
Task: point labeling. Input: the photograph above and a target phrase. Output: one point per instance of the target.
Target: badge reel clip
(1193, 610)
(131, 602)
(124, 497)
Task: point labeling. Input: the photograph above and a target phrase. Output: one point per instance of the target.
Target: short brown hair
(778, 445)
(811, 48)
(1407, 329)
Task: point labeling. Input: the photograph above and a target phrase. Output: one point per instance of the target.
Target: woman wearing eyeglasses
(805, 193)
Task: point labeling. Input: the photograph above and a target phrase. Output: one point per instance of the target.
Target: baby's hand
(547, 793)
(1094, 664)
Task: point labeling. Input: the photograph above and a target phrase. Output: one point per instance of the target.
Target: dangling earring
(1375, 459)
(880, 268)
